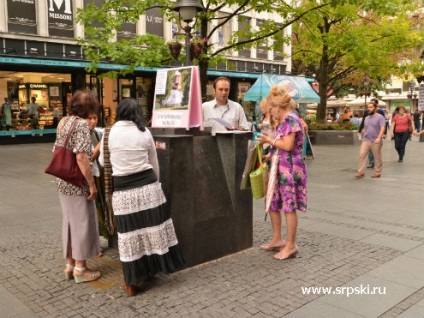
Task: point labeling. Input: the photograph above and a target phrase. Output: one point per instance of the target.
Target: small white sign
(421, 98)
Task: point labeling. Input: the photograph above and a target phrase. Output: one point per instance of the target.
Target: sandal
(83, 274)
(69, 271)
(130, 290)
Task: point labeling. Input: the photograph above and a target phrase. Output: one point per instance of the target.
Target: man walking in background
(374, 126)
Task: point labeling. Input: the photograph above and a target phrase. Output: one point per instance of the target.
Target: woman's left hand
(263, 139)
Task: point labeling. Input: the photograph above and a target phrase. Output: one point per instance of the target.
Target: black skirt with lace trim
(147, 241)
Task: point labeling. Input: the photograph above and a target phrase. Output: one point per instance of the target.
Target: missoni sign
(61, 18)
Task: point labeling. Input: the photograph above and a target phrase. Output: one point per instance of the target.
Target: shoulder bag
(64, 163)
(259, 177)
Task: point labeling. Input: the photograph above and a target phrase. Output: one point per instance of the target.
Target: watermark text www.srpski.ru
(344, 290)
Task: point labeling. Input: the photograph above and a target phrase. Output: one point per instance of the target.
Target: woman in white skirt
(80, 236)
(146, 237)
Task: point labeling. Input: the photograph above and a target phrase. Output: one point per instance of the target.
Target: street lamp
(413, 97)
(366, 84)
(187, 12)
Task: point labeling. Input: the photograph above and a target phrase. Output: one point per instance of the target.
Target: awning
(362, 101)
(298, 87)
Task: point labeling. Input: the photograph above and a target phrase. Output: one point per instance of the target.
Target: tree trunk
(323, 85)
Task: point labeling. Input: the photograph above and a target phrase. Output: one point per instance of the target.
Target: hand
(377, 141)
(263, 139)
(93, 192)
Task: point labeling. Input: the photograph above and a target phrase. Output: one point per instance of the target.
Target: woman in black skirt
(146, 237)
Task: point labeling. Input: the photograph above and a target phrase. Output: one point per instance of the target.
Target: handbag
(258, 178)
(64, 163)
(410, 126)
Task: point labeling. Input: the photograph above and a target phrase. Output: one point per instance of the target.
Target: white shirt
(131, 150)
(233, 113)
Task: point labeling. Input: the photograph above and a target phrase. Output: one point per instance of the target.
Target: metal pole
(187, 30)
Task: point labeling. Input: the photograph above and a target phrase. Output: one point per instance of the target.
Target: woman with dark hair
(147, 241)
(400, 131)
(80, 236)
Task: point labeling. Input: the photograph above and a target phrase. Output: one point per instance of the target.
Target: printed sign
(21, 16)
(61, 19)
(178, 101)
(421, 98)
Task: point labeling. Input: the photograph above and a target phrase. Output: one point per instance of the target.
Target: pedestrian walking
(80, 235)
(374, 126)
(289, 194)
(401, 129)
(147, 242)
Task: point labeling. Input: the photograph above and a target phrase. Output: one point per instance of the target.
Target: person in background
(290, 191)
(6, 113)
(355, 120)
(400, 131)
(32, 109)
(80, 235)
(371, 161)
(374, 126)
(147, 242)
(97, 171)
(346, 116)
(417, 120)
(251, 124)
(223, 108)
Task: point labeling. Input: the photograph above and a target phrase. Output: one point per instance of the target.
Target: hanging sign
(178, 101)
(421, 99)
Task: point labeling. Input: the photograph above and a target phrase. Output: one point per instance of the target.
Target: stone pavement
(356, 234)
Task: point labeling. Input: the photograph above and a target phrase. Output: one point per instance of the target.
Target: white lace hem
(138, 199)
(148, 241)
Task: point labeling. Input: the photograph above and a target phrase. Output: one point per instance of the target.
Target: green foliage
(353, 36)
(333, 126)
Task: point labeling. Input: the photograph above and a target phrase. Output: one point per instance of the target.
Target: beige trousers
(366, 146)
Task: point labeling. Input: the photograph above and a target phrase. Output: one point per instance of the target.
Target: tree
(366, 36)
(102, 23)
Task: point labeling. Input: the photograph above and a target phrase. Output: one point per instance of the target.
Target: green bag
(258, 178)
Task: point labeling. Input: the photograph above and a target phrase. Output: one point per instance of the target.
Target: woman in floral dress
(290, 190)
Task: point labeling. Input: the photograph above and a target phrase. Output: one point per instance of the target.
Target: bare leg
(290, 248)
(276, 226)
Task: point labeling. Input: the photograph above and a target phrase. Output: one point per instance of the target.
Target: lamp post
(413, 97)
(187, 12)
(366, 84)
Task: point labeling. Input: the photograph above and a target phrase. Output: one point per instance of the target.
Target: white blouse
(131, 150)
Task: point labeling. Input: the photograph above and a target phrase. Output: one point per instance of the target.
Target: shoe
(281, 256)
(400, 160)
(376, 175)
(359, 175)
(276, 247)
(130, 290)
(370, 166)
(83, 274)
(69, 269)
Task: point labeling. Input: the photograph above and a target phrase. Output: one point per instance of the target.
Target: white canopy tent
(360, 101)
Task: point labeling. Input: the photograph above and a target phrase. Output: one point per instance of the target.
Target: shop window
(54, 50)
(17, 45)
(244, 24)
(224, 32)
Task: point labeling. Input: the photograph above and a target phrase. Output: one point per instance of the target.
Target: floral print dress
(290, 190)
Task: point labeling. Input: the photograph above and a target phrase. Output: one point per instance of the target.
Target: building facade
(39, 58)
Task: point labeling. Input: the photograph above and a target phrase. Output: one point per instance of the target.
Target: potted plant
(175, 48)
(196, 47)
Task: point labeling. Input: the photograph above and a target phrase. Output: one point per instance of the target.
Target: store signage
(61, 20)
(154, 22)
(421, 98)
(21, 16)
(178, 101)
(37, 86)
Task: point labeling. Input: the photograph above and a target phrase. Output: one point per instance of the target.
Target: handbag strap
(70, 131)
(259, 155)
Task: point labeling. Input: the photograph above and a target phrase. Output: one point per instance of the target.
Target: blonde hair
(282, 99)
(265, 103)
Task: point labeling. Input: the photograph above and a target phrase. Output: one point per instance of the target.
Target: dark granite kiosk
(201, 175)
